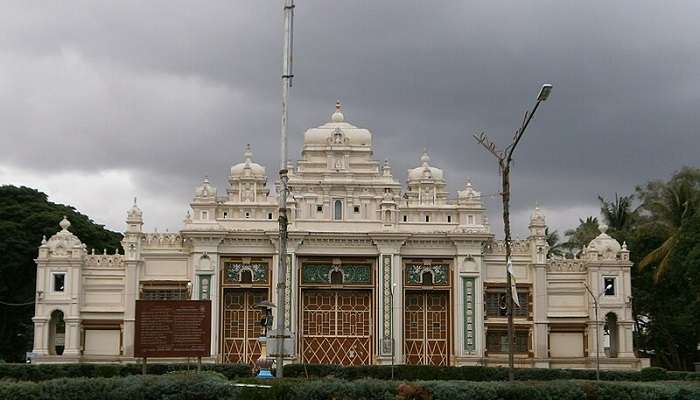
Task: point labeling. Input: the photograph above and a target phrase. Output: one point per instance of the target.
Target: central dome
(337, 132)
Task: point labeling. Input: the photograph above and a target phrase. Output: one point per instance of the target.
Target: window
(338, 208)
(247, 214)
(495, 303)
(356, 209)
(497, 341)
(319, 208)
(225, 215)
(59, 282)
(609, 286)
(165, 290)
(427, 218)
(405, 218)
(57, 333)
(449, 219)
(205, 215)
(470, 219)
(269, 215)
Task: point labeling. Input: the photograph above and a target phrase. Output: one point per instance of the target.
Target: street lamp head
(544, 92)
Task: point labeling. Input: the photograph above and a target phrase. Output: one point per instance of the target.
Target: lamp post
(287, 75)
(597, 328)
(505, 159)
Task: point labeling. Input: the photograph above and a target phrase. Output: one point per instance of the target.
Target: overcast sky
(104, 101)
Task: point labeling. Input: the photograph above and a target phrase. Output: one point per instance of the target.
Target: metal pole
(597, 332)
(282, 255)
(597, 342)
(504, 162)
(392, 332)
(505, 175)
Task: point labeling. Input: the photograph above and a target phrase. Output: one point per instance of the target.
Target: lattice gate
(240, 324)
(336, 327)
(427, 327)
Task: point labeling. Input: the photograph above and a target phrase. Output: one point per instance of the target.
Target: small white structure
(372, 264)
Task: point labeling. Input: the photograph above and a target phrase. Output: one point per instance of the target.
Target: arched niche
(611, 333)
(57, 333)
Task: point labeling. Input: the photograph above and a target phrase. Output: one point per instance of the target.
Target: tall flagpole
(282, 255)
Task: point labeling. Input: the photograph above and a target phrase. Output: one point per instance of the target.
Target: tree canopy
(25, 215)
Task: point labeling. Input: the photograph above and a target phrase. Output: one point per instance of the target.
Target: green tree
(666, 206)
(579, 238)
(26, 215)
(667, 310)
(556, 247)
(617, 215)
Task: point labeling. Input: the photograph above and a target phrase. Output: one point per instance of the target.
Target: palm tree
(556, 248)
(617, 214)
(667, 206)
(579, 238)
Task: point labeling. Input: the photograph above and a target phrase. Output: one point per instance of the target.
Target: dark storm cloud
(171, 91)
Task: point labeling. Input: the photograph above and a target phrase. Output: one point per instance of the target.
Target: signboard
(173, 328)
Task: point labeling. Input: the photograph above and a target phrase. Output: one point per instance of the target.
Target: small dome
(248, 167)
(205, 189)
(425, 171)
(63, 242)
(605, 244)
(134, 212)
(337, 132)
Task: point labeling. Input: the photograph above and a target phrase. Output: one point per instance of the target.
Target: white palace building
(372, 263)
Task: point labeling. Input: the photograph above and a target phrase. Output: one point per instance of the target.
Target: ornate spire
(248, 154)
(387, 168)
(425, 158)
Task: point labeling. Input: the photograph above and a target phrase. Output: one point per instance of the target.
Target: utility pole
(282, 255)
(505, 159)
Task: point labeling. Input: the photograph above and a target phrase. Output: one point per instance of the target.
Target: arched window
(57, 333)
(387, 216)
(427, 279)
(338, 210)
(336, 278)
(246, 276)
(611, 335)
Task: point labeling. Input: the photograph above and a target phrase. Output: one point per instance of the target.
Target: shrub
(476, 373)
(42, 372)
(210, 386)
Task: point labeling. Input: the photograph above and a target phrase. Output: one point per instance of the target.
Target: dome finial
(602, 228)
(248, 154)
(425, 158)
(337, 115)
(64, 224)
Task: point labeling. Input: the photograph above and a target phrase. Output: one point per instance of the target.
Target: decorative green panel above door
(348, 274)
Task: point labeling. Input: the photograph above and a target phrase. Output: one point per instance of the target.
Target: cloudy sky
(103, 101)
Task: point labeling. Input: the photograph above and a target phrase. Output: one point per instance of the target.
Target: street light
(505, 159)
(597, 327)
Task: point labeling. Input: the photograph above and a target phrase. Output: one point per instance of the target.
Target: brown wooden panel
(240, 324)
(426, 327)
(336, 327)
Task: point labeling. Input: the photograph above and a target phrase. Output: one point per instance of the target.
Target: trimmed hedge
(42, 372)
(211, 386)
(478, 374)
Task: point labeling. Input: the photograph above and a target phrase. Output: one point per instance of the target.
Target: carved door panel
(336, 327)
(240, 325)
(426, 327)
